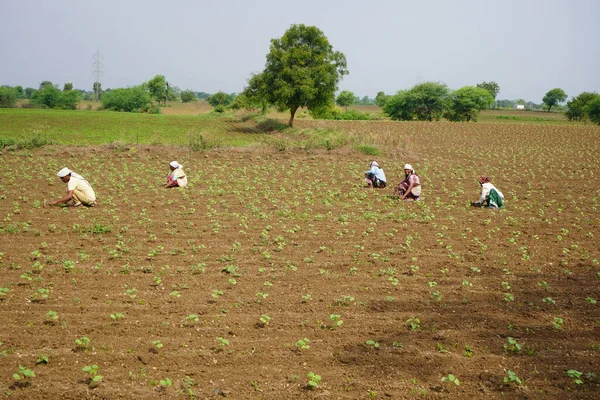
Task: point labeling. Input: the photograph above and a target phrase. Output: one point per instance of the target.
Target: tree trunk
(292, 114)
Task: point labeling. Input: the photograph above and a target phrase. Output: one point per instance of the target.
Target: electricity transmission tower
(97, 72)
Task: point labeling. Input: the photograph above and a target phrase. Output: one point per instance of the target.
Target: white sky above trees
(527, 46)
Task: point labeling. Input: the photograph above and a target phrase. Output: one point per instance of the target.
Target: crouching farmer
(79, 190)
(375, 177)
(491, 197)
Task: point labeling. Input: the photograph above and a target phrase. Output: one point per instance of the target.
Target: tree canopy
(133, 99)
(220, 99)
(491, 87)
(345, 98)
(465, 103)
(381, 99)
(594, 110)
(554, 97)
(159, 89)
(302, 70)
(188, 96)
(424, 102)
(578, 107)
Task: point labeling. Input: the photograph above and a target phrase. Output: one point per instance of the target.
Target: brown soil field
(272, 265)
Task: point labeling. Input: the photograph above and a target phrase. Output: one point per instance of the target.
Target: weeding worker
(79, 190)
(177, 177)
(490, 197)
(375, 177)
(410, 188)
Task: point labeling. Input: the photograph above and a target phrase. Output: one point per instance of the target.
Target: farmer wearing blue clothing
(375, 177)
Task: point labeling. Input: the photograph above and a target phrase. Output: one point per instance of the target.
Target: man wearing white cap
(79, 190)
(177, 177)
(410, 188)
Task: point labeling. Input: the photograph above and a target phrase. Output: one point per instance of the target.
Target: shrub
(8, 97)
(188, 96)
(134, 99)
(51, 97)
(333, 113)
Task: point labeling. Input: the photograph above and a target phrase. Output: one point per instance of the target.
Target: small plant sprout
(451, 379)
(591, 300)
(511, 378)
(92, 371)
(303, 344)
(576, 376)
(52, 317)
(216, 293)
(372, 344)
(548, 300)
(336, 319)
(557, 323)
(22, 376)
(414, 324)
(157, 344)
(175, 294)
(313, 380)
(512, 346)
(165, 383)
(222, 342)
(305, 297)
(192, 319)
(468, 351)
(42, 359)
(117, 316)
(82, 343)
(264, 320)
(132, 293)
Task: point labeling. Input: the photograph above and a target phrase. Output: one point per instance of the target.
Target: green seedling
(117, 316)
(303, 344)
(157, 344)
(192, 318)
(414, 324)
(264, 320)
(82, 343)
(176, 294)
(576, 376)
(548, 300)
(42, 359)
(451, 379)
(512, 346)
(440, 347)
(132, 293)
(165, 383)
(336, 319)
(52, 317)
(313, 380)
(372, 344)
(558, 323)
(591, 300)
(92, 371)
(216, 294)
(3, 292)
(512, 379)
(22, 376)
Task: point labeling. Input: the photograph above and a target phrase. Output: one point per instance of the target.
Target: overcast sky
(528, 47)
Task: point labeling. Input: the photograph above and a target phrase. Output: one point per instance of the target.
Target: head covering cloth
(175, 164)
(63, 172)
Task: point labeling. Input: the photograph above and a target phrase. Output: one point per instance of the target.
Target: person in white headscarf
(177, 177)
(375, 177)
(79, 190)
(410, 188)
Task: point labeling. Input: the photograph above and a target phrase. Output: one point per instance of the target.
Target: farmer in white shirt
(490, 197)
(375, 177)
(79, 190)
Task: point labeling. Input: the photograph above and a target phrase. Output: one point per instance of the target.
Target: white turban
(408, 166)
(175, 164)
(374, 163)
(63, 172)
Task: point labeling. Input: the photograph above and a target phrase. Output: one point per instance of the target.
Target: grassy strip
(93, 128)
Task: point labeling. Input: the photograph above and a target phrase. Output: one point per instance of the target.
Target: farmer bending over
(375, 177)
(79, 191)
(410, 188)
(491, 197)
(177, 177)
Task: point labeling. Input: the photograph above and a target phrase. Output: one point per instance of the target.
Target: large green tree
(465, 103)
(593, 109)
(381, 99)
(220, 99)
(491, 87)
(188, 96)
(135, 99)
(554, 97)
(577, 107)
(97, 89)
(302, 70)
(159, 89)
(423, 102)
(344, 99)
